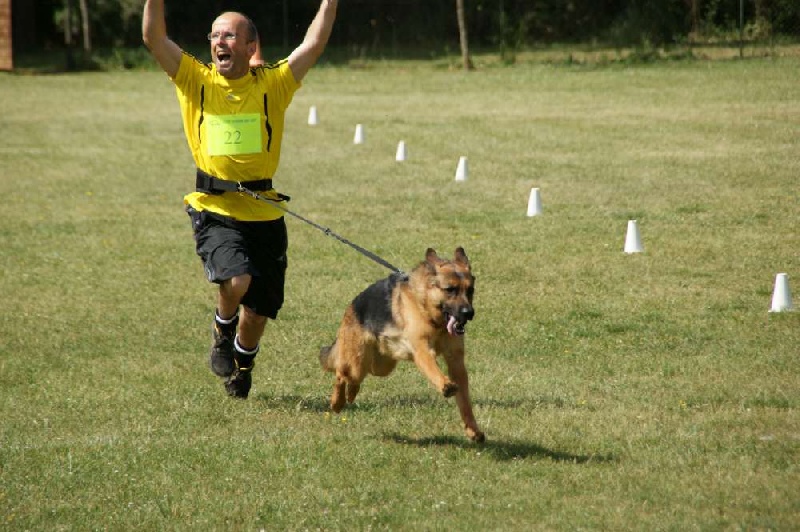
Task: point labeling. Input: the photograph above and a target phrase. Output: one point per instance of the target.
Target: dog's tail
(327, 357)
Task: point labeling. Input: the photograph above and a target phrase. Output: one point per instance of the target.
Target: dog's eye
(451, 290)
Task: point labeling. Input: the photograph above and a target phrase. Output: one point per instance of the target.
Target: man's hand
(305, 56)
(154, 34)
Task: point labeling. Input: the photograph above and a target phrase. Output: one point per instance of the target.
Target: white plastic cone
(781, 296)
(633, 242)
(313, 119)
(462, 170)
(359, 136)
(534, 203)
(401, 151)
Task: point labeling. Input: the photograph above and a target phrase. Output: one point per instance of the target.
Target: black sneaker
(238, 384)
(221, 357)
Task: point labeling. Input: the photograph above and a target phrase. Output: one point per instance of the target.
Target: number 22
(233, 137)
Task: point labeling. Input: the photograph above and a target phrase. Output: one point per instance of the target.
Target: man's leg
(257, 299)
(246, 343)
(226, 321)
(231, 293)
(251, 328)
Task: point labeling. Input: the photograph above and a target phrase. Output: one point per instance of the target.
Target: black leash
(370, 255)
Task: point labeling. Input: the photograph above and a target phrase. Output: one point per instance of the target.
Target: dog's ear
(431, 256)
(461, 256)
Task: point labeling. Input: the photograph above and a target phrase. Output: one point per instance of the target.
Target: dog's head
(451, 286)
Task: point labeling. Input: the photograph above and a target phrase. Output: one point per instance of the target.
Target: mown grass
(648, 392)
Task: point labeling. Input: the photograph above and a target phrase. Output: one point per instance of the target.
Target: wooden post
(6, 52)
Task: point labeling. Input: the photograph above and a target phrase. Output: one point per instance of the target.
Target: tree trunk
(694, 15)
(87, 35)
(68, 23)
(462, 33)
(68, 34)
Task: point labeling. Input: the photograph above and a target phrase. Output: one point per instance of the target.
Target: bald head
(248, 27)
(233, 43)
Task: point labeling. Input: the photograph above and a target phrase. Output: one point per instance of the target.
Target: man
(233, 120)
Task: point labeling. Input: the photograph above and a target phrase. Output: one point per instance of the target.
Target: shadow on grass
(501, 450)
(497, 449)
(319, 403)
(433, 400)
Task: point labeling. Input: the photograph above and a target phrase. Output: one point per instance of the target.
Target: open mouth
(454, 327)
(223, 59)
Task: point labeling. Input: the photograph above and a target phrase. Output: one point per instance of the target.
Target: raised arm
(154, 34)
(304, 56)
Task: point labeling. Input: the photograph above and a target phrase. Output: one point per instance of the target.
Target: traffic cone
(534, 203)
(313, 120)
(462, 170)
(359, 136)
(633, 242)
(781, 296)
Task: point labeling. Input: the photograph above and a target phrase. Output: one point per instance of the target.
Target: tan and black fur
(416, 317)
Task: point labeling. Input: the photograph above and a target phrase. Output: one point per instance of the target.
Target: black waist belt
(212, 185)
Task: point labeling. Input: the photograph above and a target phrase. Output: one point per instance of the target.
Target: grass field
(651, 391)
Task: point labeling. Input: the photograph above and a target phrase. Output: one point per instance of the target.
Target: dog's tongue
(451, 325)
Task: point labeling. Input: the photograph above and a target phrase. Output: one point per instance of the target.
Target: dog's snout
(467, 313)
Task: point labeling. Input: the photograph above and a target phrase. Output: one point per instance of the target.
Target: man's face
(231, 45)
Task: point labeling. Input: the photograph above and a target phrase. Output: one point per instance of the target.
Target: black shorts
(229, 248)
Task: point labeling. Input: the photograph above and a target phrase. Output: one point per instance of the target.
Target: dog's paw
(476, 436)
(450, 389)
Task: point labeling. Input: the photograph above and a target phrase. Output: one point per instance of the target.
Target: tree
(694, 16)
(462, 34)
(68, 31)
(87, 35)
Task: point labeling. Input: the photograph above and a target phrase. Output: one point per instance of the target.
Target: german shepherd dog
(413, 317)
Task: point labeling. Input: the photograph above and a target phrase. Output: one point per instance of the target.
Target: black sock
(223, 321)
(242, 350)
(227, 327)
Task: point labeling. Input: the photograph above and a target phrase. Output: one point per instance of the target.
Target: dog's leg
(338, 395)
(425, 359)
(352, 355)
(329, 360)
(352, 391)
(361, 363)
(348, 381)
(458, 372)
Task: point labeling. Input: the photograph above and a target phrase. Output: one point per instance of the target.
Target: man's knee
(250, 317)
(236, 287)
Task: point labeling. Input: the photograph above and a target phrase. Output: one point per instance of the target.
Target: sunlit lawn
(650, 391)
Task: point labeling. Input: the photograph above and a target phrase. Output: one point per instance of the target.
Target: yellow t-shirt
(234, 130)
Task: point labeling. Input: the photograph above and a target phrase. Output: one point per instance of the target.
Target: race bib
(233, 134)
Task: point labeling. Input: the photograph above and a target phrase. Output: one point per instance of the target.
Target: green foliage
(647, 392)
(113, 22)
(369, 27)
(650, 22)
